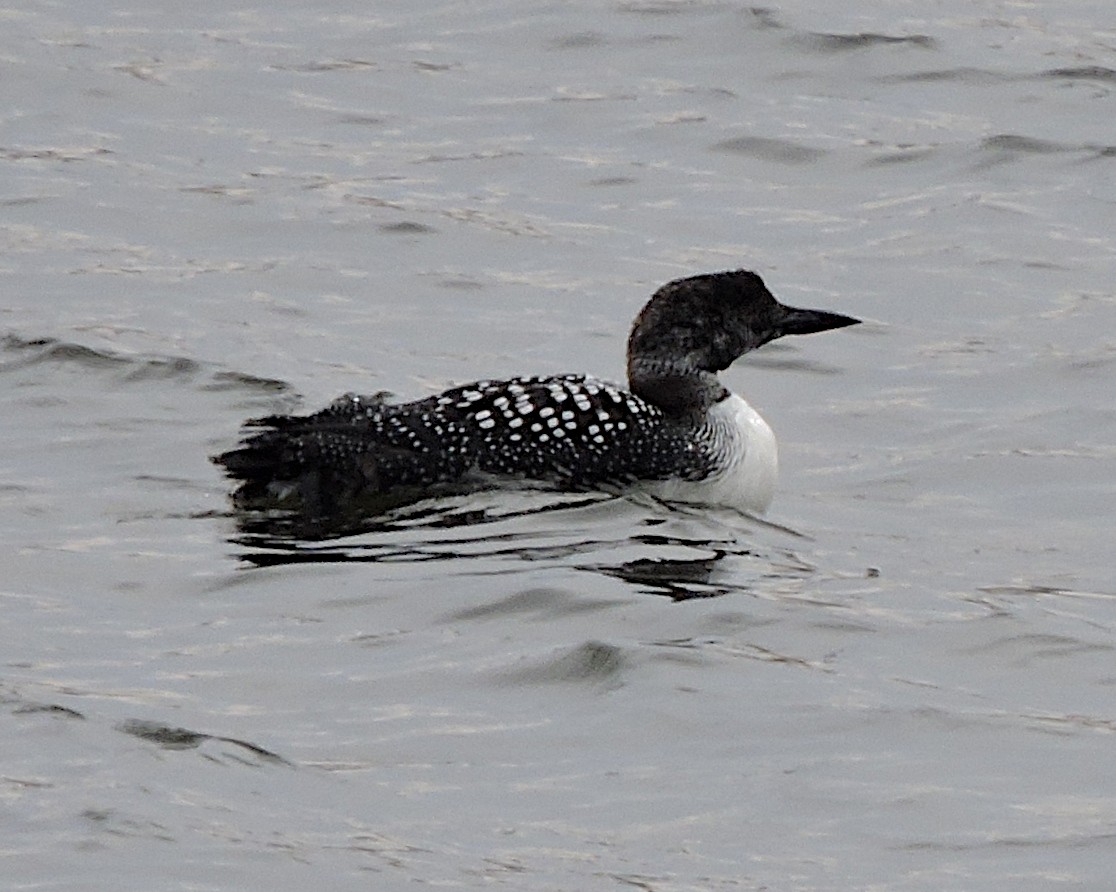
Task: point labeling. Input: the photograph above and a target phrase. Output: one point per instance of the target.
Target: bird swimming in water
(677, 430)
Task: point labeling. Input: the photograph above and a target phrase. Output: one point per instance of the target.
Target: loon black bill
(800, 322)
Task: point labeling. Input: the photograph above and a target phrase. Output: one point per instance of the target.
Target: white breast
(746, 455)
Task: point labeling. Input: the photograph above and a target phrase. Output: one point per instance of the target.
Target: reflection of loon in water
(678, 427)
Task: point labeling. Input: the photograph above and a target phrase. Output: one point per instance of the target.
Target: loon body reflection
(676, 428)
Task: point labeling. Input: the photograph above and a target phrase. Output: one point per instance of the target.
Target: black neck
(680, 392)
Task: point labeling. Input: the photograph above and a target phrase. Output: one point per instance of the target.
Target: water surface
(903, 681)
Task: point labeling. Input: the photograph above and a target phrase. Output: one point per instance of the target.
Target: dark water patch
(765, 149)
(12, 153)
(163, 368)
(844, 626)
(173, 738)
(680, 580)
(148, 73)
(763, 17)
(426, 508)
(1071, 723)
(362, 120)
(431, 550)
(490, 155)
(613, 181)
(745, 650)
(318, 67)
(1053, 723)
(1031, 590)
(164, 735)
(841, 43)
(577, 41)
(902, 155)
(118, 825)
(792, 364)
(1008, 147)
(593, 662)
(30, 352)
(660, 7)
(49, 709)
(406, 227)
(579, 533)
(21, 706)
(460, 283)
(373, 201)
(568, 95)
(594, 40)
(294, 555)
(1026, 649)
(185, 484)
(709, 575)
(543, 602)
(38, 359)
(237, 192)
(972, 76)
(239, 381)
(1010, 142)
(702, 91)
(35, 351)
(496, 222)
(258, 396)
(380, 639)
(424, 65)
(1083, 73)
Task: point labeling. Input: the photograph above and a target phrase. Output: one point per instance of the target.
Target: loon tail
(341, 459)
(291, 460)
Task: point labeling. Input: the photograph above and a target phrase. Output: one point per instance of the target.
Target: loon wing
(573, 430)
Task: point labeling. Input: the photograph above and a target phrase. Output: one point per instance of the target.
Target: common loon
(676, 428)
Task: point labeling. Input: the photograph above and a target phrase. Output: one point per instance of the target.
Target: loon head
(694, 327)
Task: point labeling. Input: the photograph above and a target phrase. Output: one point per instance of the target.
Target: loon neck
(693, 328)
(681, 390)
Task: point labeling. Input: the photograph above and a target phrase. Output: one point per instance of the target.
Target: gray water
(904, 681)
